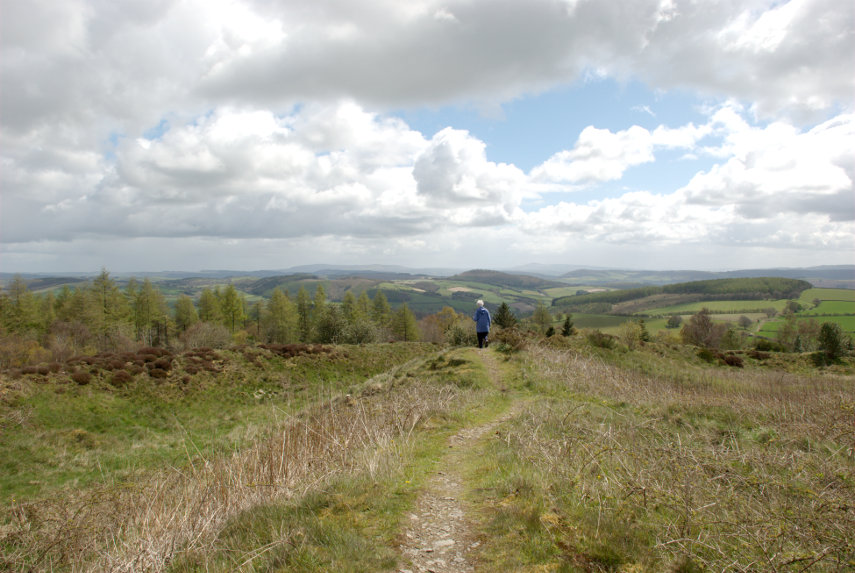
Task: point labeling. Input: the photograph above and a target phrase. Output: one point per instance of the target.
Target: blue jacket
(482, 320)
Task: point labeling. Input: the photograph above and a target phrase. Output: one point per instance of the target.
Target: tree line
(100, 316)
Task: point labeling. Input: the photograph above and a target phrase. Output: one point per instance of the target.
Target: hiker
(482, 323)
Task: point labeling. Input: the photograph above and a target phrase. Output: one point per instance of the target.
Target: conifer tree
(567, 329)
(20, 308)
(304, 308)
(504, 317)
(363, 306)
(109, 310)
(185, 313)
(348, 306)
(380, 310)
(281, 318)
(234, 310)
(209, 307)
(404, 325)
(150, 313)
(319, 304)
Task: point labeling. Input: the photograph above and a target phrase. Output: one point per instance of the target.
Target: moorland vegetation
(225, 433)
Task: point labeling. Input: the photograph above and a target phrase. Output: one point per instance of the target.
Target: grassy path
(440, 537)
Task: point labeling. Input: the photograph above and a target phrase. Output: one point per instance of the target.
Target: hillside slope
(760, 288)
(559, 456)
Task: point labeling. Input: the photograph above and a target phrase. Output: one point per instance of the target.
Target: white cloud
(780, 169)
(453, 172)
(600, 155)
(262, 121)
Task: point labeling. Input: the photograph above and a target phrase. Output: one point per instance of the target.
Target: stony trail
(439, 537)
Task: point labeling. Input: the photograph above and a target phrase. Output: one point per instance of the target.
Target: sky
(150, 135)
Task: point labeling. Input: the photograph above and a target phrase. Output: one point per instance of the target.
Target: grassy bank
(686, 469)
(605, 460)
(319, 486)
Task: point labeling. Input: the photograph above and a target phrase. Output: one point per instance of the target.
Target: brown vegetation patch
(81, 377)
(120, 378)
(158, 373)
(292, 350)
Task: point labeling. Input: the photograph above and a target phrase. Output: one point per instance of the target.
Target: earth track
(440, 537)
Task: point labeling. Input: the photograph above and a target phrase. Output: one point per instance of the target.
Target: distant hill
(839, 276)
(506, 279)
(760, 288)
(49, 283)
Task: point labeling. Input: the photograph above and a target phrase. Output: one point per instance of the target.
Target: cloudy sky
(143, 135)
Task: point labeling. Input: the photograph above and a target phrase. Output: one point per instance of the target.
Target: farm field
(735, 307)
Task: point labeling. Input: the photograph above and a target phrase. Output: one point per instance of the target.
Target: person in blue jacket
(482, 323)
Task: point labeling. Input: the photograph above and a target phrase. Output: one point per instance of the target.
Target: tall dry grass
(725, 469)
(142, 524)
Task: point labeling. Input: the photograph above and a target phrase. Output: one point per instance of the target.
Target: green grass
(719, 306)
(624, 460)
(57, 434)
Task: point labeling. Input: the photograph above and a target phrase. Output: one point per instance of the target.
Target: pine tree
(363, 306)
(404, 325)
(150, 312)
(209, 307)
(234, 310)
(281, 318)
(20, 309)
(567, 329)
(304, 309)
(348, 306)
(185, 313)
(109, 310)
(381, 312)
(504, 317)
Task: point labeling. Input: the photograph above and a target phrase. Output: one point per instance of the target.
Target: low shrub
(81, 377)
(707, 355)
(602, 340)
(509, 340)
(120, 378)
(764, 345)
(158, 373)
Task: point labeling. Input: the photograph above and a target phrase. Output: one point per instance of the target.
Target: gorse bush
(508, 340)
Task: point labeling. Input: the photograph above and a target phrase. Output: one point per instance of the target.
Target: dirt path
(439, 538)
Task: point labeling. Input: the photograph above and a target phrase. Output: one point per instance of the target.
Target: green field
(832, 307)
(718, 306)
(846, 323)
(826, 294)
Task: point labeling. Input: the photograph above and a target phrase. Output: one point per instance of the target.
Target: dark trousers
(482, 339)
